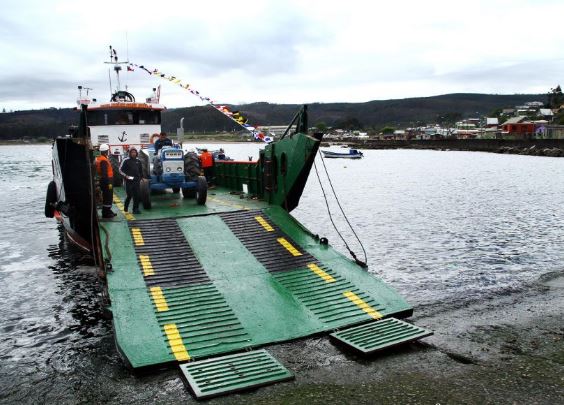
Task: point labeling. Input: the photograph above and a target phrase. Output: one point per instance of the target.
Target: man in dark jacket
(131, 169)
(162, 141)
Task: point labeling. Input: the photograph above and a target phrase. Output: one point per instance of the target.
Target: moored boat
(350, 154)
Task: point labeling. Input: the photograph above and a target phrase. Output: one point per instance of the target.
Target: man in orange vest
(206, 160)
(105, 177)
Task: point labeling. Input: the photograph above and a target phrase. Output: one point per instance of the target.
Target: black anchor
(123, 137)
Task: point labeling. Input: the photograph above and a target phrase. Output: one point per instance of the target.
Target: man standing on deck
(206, 160)
(105, 177)
(162, 141)
(131, 169)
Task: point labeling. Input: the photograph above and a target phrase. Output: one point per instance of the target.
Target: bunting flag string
(234, 116)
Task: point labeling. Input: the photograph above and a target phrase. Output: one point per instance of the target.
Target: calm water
(442, 227)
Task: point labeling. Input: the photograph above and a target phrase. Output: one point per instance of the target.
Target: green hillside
(370, 115)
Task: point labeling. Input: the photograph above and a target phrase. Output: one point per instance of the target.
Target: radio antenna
(114, 60)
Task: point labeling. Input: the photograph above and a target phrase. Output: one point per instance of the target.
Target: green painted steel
(233, 175)
(137, 332)
(236, 372)
(286, 166)
(204, 320)
(380, 335)
(326, 299)
(214, 281)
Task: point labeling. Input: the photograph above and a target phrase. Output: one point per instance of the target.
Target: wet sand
(507, 349)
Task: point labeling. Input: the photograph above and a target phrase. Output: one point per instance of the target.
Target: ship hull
(74, 206)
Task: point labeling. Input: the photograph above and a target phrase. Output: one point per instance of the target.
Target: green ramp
(226, 280)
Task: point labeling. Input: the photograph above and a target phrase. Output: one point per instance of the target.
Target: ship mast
(114, 60)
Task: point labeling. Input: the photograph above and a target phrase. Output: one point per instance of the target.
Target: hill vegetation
(372, 115)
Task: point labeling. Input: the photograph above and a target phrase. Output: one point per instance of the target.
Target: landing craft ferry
(203, 281)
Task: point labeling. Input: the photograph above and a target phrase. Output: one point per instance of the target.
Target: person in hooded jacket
(131, 169)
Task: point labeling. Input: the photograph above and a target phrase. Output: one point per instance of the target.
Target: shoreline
(533, 147)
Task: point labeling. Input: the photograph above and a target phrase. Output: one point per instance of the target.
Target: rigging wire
(361, 263)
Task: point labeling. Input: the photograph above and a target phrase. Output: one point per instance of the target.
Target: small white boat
(350, 154)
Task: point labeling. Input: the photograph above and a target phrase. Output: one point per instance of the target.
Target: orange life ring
(155, 135)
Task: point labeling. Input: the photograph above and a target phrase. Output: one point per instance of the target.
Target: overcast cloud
(280, 51)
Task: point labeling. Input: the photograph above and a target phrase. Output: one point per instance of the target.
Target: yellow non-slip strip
(147, 266)
(175, 342)
(264, 224)
(315, 268)
(137, 237)
(362, 305)
(159, 299)
(289, 247)
(120, 206)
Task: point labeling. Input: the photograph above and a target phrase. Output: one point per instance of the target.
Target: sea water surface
(443, 228)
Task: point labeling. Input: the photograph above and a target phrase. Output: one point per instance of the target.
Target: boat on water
(349, 154)
(204, 281)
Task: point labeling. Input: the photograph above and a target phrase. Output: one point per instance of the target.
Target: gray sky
(280, 51)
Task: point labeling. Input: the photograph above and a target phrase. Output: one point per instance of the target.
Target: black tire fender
(51, 199)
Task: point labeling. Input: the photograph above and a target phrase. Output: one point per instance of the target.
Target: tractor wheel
(145, 165)
(145, 193)
(118, 179)
(50, 200)
(201, 190)
(189, 193)
(176, 190)
(192, 167)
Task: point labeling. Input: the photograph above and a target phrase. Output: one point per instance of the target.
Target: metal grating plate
(164, 255)
(375, 336)
(202, 319)
(237, 372)
(275, 250)
(324, 295)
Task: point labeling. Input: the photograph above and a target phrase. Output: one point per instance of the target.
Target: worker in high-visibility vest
(105, 177)
(206, 160)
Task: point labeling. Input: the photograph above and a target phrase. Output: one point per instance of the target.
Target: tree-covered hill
(370, 115)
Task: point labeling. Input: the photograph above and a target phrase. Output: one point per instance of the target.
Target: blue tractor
(172, 168)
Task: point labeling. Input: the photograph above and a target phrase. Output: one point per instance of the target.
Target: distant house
(508, 111)
(515, 120)
(534, 104)
(518, 128)
(492, 122)
(546, 113)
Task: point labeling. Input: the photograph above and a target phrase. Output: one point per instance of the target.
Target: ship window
(122, 117)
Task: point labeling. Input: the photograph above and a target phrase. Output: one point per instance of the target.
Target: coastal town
(532, 120)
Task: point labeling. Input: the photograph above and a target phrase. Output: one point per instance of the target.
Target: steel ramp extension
(194, 287)
(236, 372)
(375, 336)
